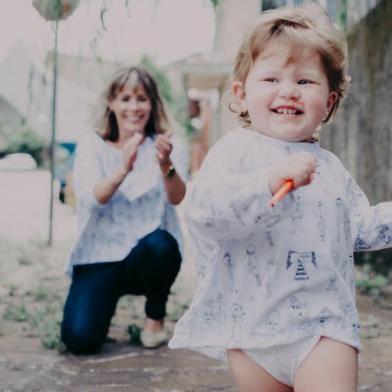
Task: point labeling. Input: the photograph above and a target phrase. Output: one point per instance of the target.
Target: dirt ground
(32, 291)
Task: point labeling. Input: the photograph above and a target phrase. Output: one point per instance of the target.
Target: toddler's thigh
(251, 377)
(330, 366)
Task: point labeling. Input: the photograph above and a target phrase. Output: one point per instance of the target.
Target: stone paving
(26, 366)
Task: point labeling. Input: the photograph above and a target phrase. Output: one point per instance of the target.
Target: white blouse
(108, 232)
(272, 276)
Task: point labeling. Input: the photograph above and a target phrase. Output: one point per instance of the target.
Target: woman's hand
(163, 148)
(299, 168)
(130, 150)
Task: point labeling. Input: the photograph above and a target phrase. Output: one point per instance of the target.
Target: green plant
(16, 312)
(177, 310)
(378, 262)
(45, 323)
(42, 315)
(41, 294)
(27, 141)
(134, 333)
(372, 285)
(160, 77)
(12, 290)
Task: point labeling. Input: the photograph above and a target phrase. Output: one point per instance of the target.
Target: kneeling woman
(127, 179)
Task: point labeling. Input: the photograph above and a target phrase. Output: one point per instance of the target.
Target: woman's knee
(81, 340)
(163, 246)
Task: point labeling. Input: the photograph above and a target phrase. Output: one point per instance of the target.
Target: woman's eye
(142, 98)
(125, 98)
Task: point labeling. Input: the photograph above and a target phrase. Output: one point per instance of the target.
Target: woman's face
(132, 108)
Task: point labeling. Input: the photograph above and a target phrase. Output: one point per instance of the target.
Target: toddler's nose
(289, 91)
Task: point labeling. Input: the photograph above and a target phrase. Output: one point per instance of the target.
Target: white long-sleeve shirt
(108, 232)
(272, 276)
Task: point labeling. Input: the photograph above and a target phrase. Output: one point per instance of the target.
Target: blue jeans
(150, 269)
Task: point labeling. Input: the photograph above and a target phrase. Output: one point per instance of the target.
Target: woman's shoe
(153, 339)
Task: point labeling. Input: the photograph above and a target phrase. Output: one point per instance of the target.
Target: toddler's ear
(237, 87)
(332, 97)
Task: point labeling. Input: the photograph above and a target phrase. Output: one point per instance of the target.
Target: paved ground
(32, 288)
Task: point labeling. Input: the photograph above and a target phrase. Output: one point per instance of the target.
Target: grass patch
(16, 312)
(42, 312)
(372, 285)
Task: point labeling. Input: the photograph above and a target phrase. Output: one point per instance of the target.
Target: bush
(22, 139)
(379, 261)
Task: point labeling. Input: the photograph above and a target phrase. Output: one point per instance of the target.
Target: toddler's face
(286, 100)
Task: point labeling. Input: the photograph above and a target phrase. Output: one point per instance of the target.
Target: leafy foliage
(55, 9)
(161, 79)
(21, 139)
(41, 312)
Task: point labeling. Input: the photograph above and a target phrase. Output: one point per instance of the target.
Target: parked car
(18, 161)
(65, 155)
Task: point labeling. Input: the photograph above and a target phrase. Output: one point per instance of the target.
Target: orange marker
(281, 193)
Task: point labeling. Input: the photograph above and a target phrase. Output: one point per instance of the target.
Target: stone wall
(361, 132)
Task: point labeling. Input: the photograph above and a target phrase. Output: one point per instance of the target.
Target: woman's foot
(153, 335)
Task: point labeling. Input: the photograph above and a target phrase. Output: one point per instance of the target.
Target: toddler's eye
(271, 80)
(305, 81)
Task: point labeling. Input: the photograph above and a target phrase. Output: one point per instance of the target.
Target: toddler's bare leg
(331, 366)
(251, 377)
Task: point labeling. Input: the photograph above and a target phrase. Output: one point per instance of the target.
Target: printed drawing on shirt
(272, 265)
(238, 206)
(270, 228)
(297, 212)
(228, 262)
(360, 243)
(298, 314)
(350, 317)
(269, 327)
(356, 197)
(319, 178)
(253, 264)
(237, 314)
(339, 210)
(384, 233)
(301, 263)
(324, 316)
(208, 316)
(212, 312)
(272, 323)
(332, 277)
(321, 218)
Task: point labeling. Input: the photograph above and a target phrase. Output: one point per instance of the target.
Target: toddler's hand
(299, 168)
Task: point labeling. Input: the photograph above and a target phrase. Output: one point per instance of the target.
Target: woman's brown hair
(134, 77)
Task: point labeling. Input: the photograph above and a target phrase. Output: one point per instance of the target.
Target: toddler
(276, 294)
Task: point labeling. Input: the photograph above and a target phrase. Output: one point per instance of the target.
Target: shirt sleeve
(227, 201)
(371, 226)
(180, 158)
(87, 172)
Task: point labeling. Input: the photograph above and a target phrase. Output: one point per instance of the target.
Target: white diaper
(283, 362)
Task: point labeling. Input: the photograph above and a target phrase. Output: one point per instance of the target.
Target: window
(270, 4)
